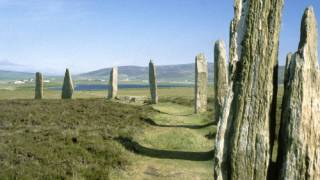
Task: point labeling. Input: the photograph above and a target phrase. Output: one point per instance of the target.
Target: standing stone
(245, 134)
(39, 86)
(153, 83)
(220, 78)
(201, 84)
(113, 83)
(67, 88)
(286, 70)
(237, 26)
(299, 139)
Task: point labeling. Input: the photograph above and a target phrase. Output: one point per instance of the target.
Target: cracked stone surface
(245, 134)
(299, 140)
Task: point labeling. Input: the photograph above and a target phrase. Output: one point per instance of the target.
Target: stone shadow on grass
(131, 145)
(211, 135)
(153, 123)
(160, 112)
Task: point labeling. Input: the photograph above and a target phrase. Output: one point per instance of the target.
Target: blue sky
(85, 35)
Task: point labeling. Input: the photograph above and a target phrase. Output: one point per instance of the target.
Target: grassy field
(175, 145)
(54, 139)
(27, 92)
(93, 138)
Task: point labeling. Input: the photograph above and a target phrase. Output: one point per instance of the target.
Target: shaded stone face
(201, 84)
(299, 139)
(67, 88)
(113, 83)
(153, 83)
(245, 130)
(286, 70)
(39, 86)
(220, 78)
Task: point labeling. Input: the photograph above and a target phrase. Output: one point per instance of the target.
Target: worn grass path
(176, 144)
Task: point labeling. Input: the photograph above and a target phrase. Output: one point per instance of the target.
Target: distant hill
(183, 72)
(167, 73)
(180, 73)
(12, 75)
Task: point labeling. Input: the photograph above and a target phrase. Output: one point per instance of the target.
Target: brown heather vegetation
(54, 139)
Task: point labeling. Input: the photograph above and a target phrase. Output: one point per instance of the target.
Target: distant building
(19, 82)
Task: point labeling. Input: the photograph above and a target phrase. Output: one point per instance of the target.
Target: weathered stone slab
(153, 83)
(39, 86)
(220, 78)
(201, 84)
(67, 88)
(113, 83)
(299, 139)
(245, 130)
(237, 28)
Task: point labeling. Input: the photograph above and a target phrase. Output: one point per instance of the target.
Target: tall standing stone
(299, 139)
(201, 84)
(153, 83)
(39, 86)
(113, 83)
(220, 78)
(246, 129)
(67, 88)
(237, 26)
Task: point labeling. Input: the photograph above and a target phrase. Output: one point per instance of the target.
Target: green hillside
(11, 75)
(182, 73)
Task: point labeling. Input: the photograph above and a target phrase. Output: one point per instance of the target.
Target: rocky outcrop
(299, 139)
(153, 83)
(113, 83)
(67, 88)
(201, 84)
(220, 78)
(246, 127)
(39, 86)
